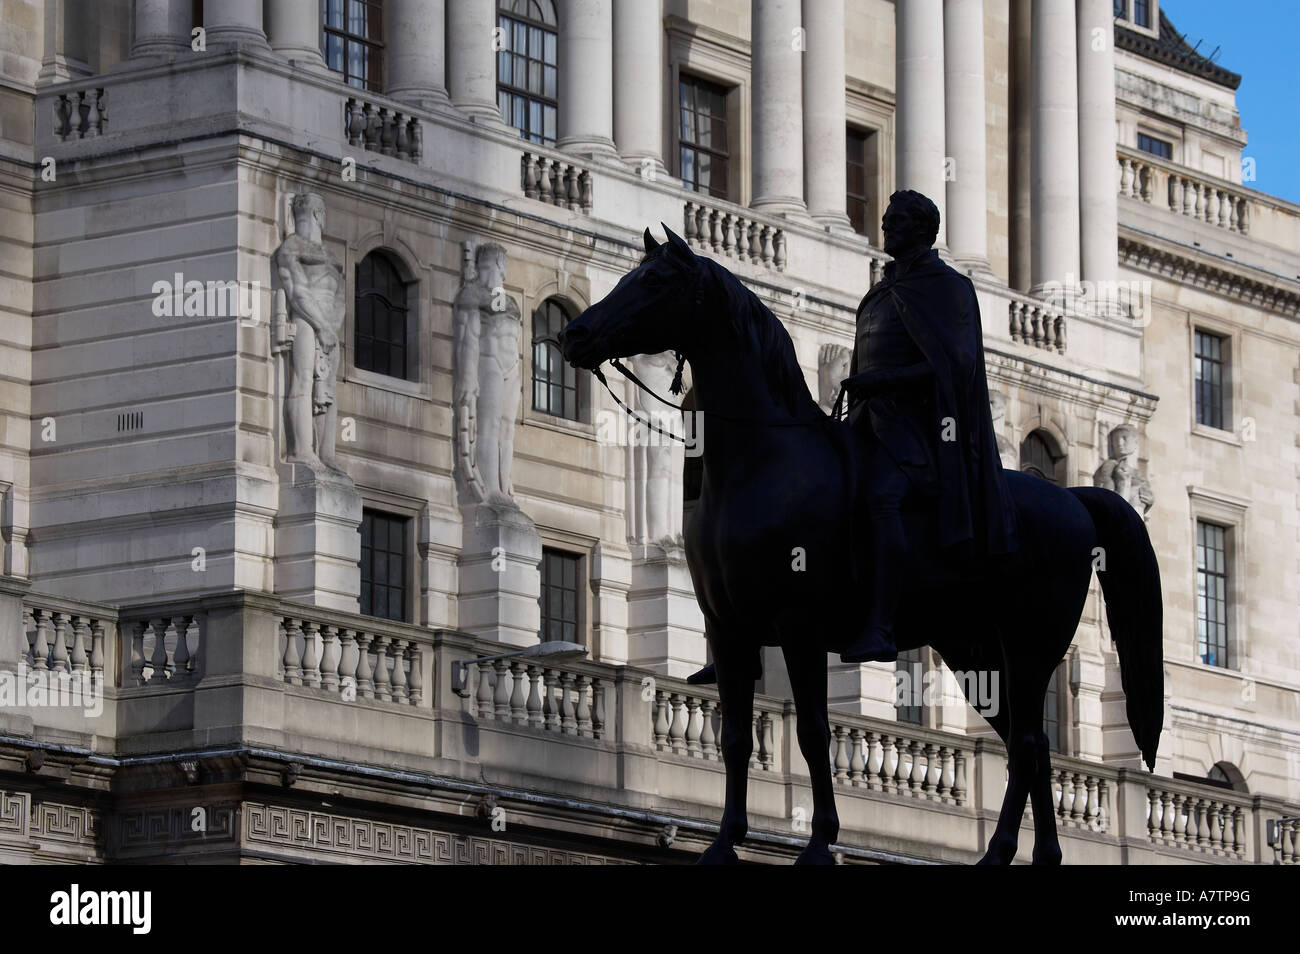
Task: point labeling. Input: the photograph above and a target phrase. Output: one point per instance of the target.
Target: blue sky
(1260, 39)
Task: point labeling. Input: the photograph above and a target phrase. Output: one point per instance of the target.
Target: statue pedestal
(317, 543)
(665, 628)
(500, 575)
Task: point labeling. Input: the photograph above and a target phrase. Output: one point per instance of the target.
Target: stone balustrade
(1197, 821)
(734, 233)
(81, 114)
(911, 763)
(556, 181)
(687, 721)
(163, 649)
(1286, 840)
(522, 692)
(1155, 181)
(351, 662)
(382, 128)
(1082, 797)
(61, 640)
(1036, 322)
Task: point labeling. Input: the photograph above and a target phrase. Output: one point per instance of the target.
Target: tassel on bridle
(676, 387)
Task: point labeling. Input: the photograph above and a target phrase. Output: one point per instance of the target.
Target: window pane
(548, 116)
(688, 168)
(549, 46)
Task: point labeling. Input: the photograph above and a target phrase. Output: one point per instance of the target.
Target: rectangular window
(1142, 13)
(1157, 147)
(703, 159)
(561, 572)
(1212, 593)
(352, 41)
(856, 200)
(528, 73)
(1121, 8)
(910, 680)
(384, 557)
(1210, 359)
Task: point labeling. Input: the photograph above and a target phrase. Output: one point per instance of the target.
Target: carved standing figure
(832, 368)
(657, 482)
(1120, 472)
(1006, 449)
(487, 377)
(310, 307)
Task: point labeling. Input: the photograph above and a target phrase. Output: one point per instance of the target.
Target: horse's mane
(749, 316)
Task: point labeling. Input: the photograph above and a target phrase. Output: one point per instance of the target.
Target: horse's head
(647, 312)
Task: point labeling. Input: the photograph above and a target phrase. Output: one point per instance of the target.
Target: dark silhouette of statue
(919, 405)
(770, 538)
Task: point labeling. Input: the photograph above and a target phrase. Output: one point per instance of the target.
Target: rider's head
(911, 221)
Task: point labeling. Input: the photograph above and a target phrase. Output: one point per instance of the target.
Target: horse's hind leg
(807, 670)
(736, 690)
(1047, 847)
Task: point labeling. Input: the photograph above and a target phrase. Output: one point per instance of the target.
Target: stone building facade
(279, 656)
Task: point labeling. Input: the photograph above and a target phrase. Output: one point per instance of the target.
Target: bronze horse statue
(777, 483)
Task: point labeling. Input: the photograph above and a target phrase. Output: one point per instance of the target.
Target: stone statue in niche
(832, 368)
(307, 321)
(656, 471)
(486, 390)
(1120, 471)
(1006, 450)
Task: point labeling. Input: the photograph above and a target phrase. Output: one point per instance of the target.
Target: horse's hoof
(998, 855)
(719, 854)
(816, 853)
(1047, 857)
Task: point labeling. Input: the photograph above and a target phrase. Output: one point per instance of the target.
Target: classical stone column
(294, 29)
(638, 83)
(823, 113)
(777, 95)
(66, 49)
(963, 68)
(1054, 163)
(920, 113)
(416, 65)
(1098, 215)
(234, 23)
(586, 100)
(471, 59)
(1021, 108)
(161, 27)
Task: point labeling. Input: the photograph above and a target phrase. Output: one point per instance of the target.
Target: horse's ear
(649, 241)
(675, 240)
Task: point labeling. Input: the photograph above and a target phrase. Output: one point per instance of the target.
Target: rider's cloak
(940, 311)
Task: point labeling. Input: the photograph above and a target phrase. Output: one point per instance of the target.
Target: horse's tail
(1130, 582)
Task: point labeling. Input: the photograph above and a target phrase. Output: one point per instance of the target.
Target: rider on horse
(918, 402)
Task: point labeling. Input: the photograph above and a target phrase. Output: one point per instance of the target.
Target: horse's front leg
(736, 691)
(807, 670)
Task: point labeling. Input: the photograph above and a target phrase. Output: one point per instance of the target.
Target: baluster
(518, 698)
(1190, 189)
(382, 674)
(370, 126)
(839, 753)
(875, 759)
(503, 687)
(365, 675)
(399, 681)
(769, 741)
(1067, 795)
(765, 249)
(1225, 208)
(857, 763)
(708, 737)
(946, 774)
(586, 189)
(352, 122)
(1212, 206)
(933, 771)
(310, 654)
(1153, 814)
(329, 658)
(158, 660)
(1239, 830)
(1126, 177)
(534, 705)
(137, 651)
(694, 728)
(1180, 819)
(83, 113)
(387, 135)
(1091, 814)
(292, 630)
(916, 782)
(1202, 825)
(347, 659)
(959, 778)
(1175, 193)
(755, 741)
(1103, 805)
(755, 243)
(728, 235)
(550, 705)
(902, 766)
(80, 640)
(59, 654)
(575, 192)
(715, 230)
(97, 654)
(690, 233)
(677, 725)
(1216, 826)
(530, 175)
(598, 708)
(778, 258)
(483, 697)
(182, 663)
(583, 712)
(415, 686)
(1199, 211)
(62, 116)
(401, 143)
(1166, 817)
(661, 720)
(1015, 309)
(1060, 334)
(568, 724)
(1147, 182)
(1243, 218)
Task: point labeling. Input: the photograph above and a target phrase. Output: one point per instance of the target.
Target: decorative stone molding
(81, 115)
(556, 182)
(734, 235)
(1183, 269)
(382, 129)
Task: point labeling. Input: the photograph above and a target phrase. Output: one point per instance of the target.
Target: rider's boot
(875, 643)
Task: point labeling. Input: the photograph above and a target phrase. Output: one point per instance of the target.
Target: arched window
(1038, 456)
(527, 68)
(383, 340)
(555, 381)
